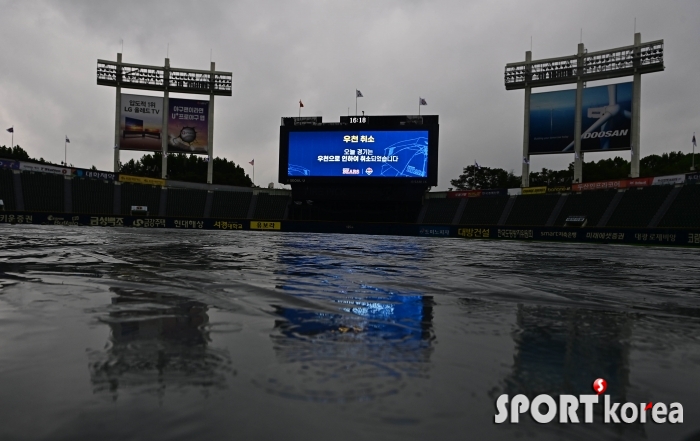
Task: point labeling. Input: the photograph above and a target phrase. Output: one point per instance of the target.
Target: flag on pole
(67, 140)
(11, 130)
(695, 144)
(358, 94)
(301, 104)
(525, 160)
(422, 102)
(476, 164)
(252, 162)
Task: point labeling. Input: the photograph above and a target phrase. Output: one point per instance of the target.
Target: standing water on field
(118, 334)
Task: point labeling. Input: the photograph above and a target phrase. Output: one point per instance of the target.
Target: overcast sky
(452, 53)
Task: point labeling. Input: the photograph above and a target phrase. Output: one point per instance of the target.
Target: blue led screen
(360, 153)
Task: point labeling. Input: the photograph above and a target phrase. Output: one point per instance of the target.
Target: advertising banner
(9, 163)
(668, 180)
(95, 174)
(41, 168)
(515, 191)
(640, 182)
(559, 189)
(534, 190)
(600, 185)
(188, 126)
(141, 180)
(605, 125)
(141, 123)
(692, 177)
(494, 192)
(359, 153)
(464, 194)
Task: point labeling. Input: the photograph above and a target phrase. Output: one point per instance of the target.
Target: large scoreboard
(360, 149)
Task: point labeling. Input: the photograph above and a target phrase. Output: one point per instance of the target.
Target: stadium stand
(7, 189)
(532, 209)
(441, 211)
(231, 204)
(638, 206)
(139, 194)
(43, 192)
(92, 196)
(186, 202)
(483, 211)
(685, 210)
(271, 207)
(591, 204)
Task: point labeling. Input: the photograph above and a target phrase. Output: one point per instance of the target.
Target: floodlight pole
(636, 107)
(210, 125)
(526, 125)
(578, 155)
(117, 115)
(166, 112)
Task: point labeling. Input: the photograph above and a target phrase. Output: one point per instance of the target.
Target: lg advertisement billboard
(141, 123)
(605, 125)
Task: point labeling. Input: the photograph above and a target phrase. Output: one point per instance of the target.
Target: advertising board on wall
(141, 123)
(95, 174)
(9, 163)
(606, 118)
(188, 126)
(42, 168)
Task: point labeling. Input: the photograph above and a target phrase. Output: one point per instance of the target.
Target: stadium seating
(186, 202)
(532, 210)
(483, 211)
(591, 204)
(7, 189)
(43, 192)
(231, 204)
(441, 211)
(271, 207)
(685, 210)
(139, 194)
(92, 196)
(638, 206)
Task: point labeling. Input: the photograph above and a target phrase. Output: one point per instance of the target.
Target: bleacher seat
(532, 210)
(441, 211)
(685, 210)
(638, 206)
(92, 196)
(140, 194)
(591, 204)
(231, 204)
(186, 202)
(7, 189)
(271, 207)
(483, 211)
(43, 192)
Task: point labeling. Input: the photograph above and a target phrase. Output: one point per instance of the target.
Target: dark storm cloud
(450, 52)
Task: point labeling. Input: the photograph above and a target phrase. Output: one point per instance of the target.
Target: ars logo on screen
(369, 171)
(567, 408)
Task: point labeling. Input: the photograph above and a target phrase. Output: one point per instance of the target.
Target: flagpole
(355, 102)
(418, 106)
(692, 167)
(65, 152)
(13, 137)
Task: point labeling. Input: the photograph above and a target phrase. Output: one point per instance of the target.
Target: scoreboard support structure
(635, 60)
